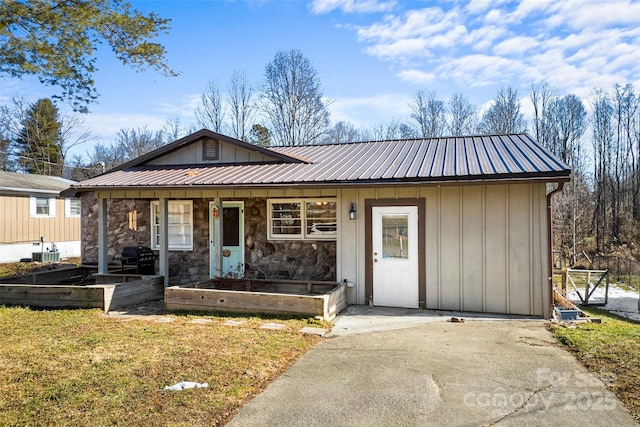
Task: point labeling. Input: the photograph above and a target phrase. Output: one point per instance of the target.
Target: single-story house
(32, 210)
(452, 223)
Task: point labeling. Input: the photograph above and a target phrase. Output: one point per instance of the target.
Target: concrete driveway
(374, 370)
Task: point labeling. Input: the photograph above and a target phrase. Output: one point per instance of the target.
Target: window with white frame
(43, 207)
(180, 225)
(302, 219)
(72, 208)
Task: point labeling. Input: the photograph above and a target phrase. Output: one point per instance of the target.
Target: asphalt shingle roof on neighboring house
(13, 182)
(432, 160)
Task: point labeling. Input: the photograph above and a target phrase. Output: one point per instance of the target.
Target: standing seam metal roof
(476, 158)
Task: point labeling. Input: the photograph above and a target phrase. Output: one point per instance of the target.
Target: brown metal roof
(448, 159)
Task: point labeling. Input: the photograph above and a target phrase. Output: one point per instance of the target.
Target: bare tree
(11, 118)
(73, 133)
(5, 146)
(602, 138)
(559, 123)
(503, 116)
(462, 116)
(342, 132)
(391, 130)
(240, 105)
(210, 113)
(542, 95)
(132, 143)
(173, 129)
(429, 113)
(291, 99)
(569, 117)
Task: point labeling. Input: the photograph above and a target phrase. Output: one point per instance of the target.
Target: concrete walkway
(379, 369)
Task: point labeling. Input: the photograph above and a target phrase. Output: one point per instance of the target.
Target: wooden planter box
(111, 293)
(265, 296)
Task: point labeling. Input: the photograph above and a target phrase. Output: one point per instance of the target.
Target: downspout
(550, 237)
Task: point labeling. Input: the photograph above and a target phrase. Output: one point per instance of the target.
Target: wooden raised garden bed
(308, 298)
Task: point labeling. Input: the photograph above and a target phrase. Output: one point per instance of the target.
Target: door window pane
(231, 226)
(395, 243)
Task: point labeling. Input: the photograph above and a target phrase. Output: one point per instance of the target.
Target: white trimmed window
(180, 213)
(42, 207)
(302, 219)
(72, 208)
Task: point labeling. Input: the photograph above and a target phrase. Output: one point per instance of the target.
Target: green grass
(77, 367)
(610, 349)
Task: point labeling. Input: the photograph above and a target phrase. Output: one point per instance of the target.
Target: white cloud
(106, 126)
(590, 15)
(351, 6)
(416, 23)
(481, 70)
(476, 7)
(515, 46)
(401, 48)
(417, 76)
(576, 46)
(481, 39)
(363, 112)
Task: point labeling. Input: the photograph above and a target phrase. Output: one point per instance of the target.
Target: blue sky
(371, 56)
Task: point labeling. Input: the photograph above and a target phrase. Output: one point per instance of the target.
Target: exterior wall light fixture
(352, 212)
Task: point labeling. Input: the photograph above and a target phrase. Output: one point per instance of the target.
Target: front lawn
(77, 367)
(611, 350)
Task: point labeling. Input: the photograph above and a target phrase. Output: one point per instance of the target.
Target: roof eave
(563, 176)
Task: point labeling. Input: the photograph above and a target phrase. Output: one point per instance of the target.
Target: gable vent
(210, 149)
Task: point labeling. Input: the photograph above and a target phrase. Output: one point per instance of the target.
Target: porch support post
(103, 264)
(164, 239)
(217, 238)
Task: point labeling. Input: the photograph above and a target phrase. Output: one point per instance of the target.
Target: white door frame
(395, 256)
(420, 203)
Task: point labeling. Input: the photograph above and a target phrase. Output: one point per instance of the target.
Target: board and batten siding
(17, 226)
(486, 246)
(193, 154)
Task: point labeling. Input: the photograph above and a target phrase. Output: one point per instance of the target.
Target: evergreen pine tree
(40, 142)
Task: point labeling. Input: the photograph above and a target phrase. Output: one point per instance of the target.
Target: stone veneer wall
(119, 235)
(188, 267)
(292, 260)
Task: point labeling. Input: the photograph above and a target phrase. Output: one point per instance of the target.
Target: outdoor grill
(142, 257)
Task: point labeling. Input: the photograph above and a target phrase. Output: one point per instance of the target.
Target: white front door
(395, 256)
(232, 239)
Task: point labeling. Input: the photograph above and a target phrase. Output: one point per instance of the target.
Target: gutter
(550, 249)
(316, 184)
(27, 191)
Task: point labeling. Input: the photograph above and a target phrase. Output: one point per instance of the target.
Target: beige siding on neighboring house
(486, 246)
(17, 226)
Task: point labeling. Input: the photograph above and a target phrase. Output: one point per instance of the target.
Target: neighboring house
(443, 223)
(31, 209)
